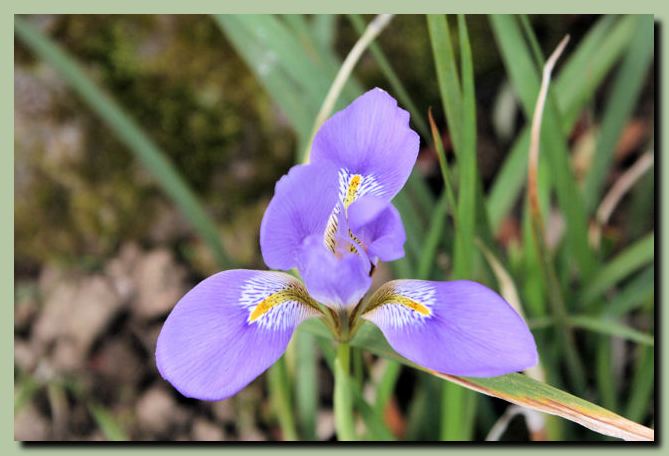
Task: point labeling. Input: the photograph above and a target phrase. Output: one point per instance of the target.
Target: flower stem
(343, 399)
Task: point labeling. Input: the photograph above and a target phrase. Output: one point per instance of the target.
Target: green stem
(280, 394)
(343, 399)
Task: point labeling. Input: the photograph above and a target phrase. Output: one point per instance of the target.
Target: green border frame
(11, 7)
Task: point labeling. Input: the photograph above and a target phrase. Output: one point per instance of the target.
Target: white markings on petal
(402, 303)
(276, 301)
(330, 236)
(353, 186)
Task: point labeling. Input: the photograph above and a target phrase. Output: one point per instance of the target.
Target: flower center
(351, 187)
(352, 191)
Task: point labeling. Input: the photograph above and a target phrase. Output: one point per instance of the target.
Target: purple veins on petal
(229, 329)
(371, 145)
(458, 328)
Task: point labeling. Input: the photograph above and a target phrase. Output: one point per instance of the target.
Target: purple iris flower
(333, 221)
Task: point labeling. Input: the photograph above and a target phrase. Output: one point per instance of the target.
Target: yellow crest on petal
(266, 299)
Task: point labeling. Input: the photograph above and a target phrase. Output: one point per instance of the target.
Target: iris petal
(303, 202)
(377, 224)
(371, 144)
(458, 328)
(229, 329)
(338, 281)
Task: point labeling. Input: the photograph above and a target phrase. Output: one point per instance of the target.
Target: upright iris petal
(229, 329)
(378, 228)
(371, 146)
(459, 328)
(303, 202)
(303, 228)
(361, 158)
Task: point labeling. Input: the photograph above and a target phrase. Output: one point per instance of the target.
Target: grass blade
(588, 64)
(467, 170)
(394, 81)
(515, 388)
(272, 34)
(435, 233)
(459, 404)
(525, 80)
(575, 86)
(306, 384)
(371, 32)
(386, 385)
(25, 389)
(111, 429)
(638, 291)
(271, 75)
(438, 220)
(642, 387)
(629, 260)
(611, 327)
(447, 76)
(424, 412)
(461, 117)
(279, 388)
(324, 28)
(555, 295)
(624, 95)
(522, 390)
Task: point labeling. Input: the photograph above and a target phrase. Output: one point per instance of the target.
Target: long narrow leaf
(109, 426)
(574, 87)
(526, 82)
(624, 95)
(306, 384)
(515, 388)
(447, 76)
(639, 290)
(611, 327)
(643, 385)
(394, 81)
(465, 250)
(629, 260)
(271, 74)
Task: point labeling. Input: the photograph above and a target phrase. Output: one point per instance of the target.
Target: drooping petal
(458, 328)
(378, 226)
(303, 202)
(364, 210)
(229, 329)
(371, 144)
(338, 281)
